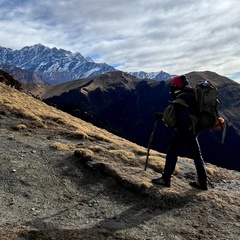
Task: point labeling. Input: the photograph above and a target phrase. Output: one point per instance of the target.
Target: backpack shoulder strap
(180, 101)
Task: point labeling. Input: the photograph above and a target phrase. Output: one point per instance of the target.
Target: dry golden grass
(20, 126)
(123, 155)
(24, 106)
(98, 149)
(83, 153)
(210, 171)
(78, 134)
(218, 173)
(61, 146)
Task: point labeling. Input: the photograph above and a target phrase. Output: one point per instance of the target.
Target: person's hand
(158, 116)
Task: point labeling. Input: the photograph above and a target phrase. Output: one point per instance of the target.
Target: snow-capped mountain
(53, 65)
(56, 66)
(160, 76)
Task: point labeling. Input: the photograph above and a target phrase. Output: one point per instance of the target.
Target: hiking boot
(202, 186)
(161, 181)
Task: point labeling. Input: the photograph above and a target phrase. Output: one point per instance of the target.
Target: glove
(158, 116)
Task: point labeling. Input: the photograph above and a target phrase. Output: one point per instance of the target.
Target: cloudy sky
(132, 35)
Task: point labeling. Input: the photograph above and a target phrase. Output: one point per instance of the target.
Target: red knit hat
(179, 82)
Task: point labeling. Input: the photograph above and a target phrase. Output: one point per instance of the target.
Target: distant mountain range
(55, 66)
(152, 75)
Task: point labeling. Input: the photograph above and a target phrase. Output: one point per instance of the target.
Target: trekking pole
(150, 142)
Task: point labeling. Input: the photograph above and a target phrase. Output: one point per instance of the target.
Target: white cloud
(173, 36)
(238, 81)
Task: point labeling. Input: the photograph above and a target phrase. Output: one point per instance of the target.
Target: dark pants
(178, 144)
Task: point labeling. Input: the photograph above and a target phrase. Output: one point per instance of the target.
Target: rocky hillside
(9, 80)
(21, 75)
(126, 105)
(63, 178)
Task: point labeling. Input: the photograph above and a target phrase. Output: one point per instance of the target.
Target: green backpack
(208, 99)
(169, 116)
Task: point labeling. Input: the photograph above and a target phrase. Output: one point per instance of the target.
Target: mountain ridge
(22, 75)
(57, 66)
(161, 75)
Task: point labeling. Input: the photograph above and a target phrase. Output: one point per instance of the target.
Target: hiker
(185, 136)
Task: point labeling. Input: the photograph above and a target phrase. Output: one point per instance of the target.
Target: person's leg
(195, 153)
(171, 161)
(177, 145)
(170, 164)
